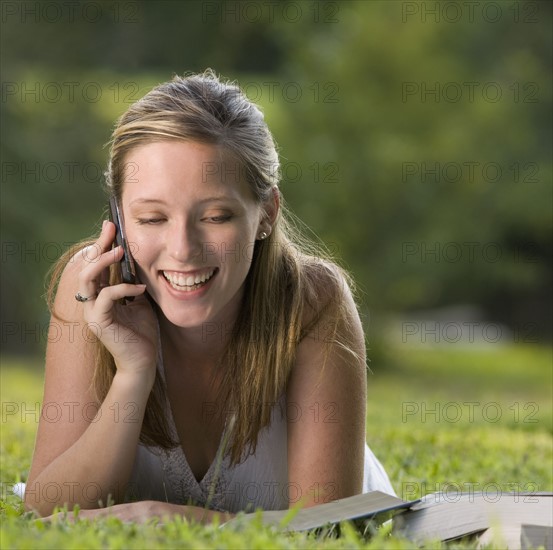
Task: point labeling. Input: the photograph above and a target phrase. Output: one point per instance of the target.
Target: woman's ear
(270, 209)
(274, 203)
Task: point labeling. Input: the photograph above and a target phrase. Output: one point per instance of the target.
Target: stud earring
(263, 235)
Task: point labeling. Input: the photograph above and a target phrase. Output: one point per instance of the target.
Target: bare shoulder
(330, 307)
(327, 387)
(332, 350)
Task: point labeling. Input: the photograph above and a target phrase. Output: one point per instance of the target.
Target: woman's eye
(219, 219)
(149, 221)
(157, 221)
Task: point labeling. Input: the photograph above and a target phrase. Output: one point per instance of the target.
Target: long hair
(292, 283)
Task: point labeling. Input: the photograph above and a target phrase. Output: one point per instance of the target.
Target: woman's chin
(187, 320)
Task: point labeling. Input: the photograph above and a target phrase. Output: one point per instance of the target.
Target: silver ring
(80, 298)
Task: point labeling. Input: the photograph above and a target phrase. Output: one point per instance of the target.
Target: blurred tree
(389, 167)
(444, 194)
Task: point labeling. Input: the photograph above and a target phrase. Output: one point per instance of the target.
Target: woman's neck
(205, 343)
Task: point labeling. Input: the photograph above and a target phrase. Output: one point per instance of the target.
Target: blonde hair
(292, 283)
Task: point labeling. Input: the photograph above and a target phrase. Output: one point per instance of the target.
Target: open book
(374, 505)
(515, 520)
(512, 520)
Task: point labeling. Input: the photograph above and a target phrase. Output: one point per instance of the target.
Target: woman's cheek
(134, 248)
(138, 241)
(141, 250)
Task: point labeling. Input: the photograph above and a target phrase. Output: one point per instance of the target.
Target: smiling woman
(182, 240)
(236, 376)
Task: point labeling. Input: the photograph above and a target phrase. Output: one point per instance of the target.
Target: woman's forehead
(177, 166)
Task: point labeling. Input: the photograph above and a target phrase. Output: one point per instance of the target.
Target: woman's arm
(83, 454)
(326, 432)
(145, 510)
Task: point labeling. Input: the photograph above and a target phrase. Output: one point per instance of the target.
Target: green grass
(454, 418)
(419, 423)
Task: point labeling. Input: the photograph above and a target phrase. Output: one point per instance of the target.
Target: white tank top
(259, 481)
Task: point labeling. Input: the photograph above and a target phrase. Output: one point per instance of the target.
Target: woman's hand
(129, 332)
(137, 512)
(143, 511)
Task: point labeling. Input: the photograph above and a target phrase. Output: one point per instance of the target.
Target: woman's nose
(184, 242)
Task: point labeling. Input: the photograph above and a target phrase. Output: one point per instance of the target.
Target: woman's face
(191, 223)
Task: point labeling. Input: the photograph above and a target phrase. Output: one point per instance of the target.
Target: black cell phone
(128, 270)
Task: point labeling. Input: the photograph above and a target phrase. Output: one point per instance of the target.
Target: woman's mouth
(188, 283)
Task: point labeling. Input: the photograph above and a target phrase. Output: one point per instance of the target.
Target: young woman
(235, 378)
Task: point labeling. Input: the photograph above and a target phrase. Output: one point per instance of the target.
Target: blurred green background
(415, 139)
(416, 143)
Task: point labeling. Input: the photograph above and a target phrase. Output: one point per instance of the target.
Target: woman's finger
(101, 312)
(90, 278)
(111, 294)
(97, 258)
(92, 252)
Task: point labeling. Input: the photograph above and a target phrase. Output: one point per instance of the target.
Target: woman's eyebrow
(221, 198)
(145, 201)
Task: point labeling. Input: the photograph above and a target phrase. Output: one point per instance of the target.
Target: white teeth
(182, 281)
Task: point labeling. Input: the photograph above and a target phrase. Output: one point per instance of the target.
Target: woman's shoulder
(326, 282)
(328, 293)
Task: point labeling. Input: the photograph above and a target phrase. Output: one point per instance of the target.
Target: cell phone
(128, 270)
